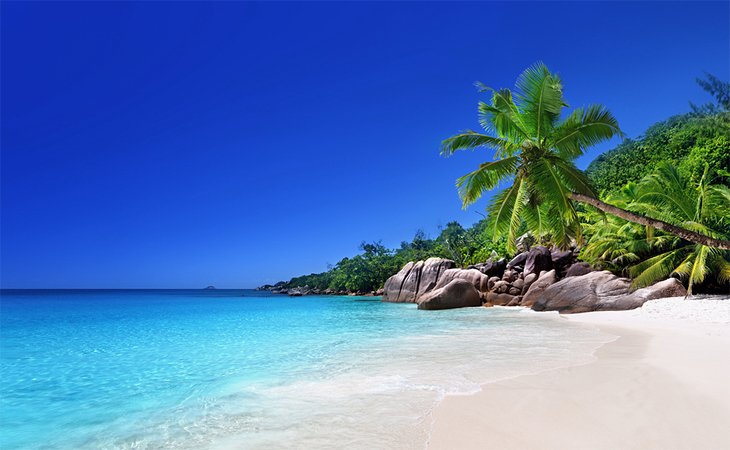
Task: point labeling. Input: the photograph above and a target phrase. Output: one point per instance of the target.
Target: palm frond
(502, 117)
(574, 178)
(701, 228)
(540, 99)
(471, 140)
(534, 216)
(716, 204)
(699, 267)
(552, 187)
(516, 216)
(582, 129)
(657, 267)
(722, 267)
(684, 269)
(562, 230)
(664, 195)
(500, 209)
(485, 178)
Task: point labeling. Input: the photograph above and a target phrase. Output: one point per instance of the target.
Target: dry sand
(664, 383)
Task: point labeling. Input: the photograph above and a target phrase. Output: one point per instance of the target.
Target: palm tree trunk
(688, 235)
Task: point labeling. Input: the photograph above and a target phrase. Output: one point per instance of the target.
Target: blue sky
(186, 144)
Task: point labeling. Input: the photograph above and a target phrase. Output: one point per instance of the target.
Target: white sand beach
(664, 383)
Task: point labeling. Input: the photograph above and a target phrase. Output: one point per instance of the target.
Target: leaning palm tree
(535, 149)
(615, 244)
(704, 208)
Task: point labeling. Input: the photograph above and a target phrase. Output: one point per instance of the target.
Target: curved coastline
(660, 385)
(419, 393)
(611, 334)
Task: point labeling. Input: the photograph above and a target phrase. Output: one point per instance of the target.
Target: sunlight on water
(215, 369)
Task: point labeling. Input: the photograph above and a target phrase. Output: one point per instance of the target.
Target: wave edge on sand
(660, 385)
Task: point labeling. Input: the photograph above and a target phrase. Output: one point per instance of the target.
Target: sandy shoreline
(664, 383)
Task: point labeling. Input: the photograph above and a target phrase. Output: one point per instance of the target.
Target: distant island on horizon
(540, 192)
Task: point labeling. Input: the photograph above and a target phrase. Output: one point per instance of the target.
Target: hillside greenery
(367, 271)
(534, 144)
(688, 141)
(678, 172)
(649, 255)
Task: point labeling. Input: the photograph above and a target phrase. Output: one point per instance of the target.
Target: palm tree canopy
(668, 196)
(704, 208)
(534, 147)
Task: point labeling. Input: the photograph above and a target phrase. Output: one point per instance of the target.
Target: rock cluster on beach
(537, 278)
(602, 291)
(281, 288)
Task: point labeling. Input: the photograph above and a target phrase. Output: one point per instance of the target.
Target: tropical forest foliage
(688, 142)
(676, 174)
(368, 270)
(678, 161)
(648, 255)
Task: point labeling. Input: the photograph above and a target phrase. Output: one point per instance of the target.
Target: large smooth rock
(497, 268)
(392, 286)
(538, 260)
(409, 288)
(510, 275)
(456, 294)
(299, 291)
(671, 287)
(601, 291)
(518, 260)
(415, 279)
(529, 279)
(491, 268)
(501, 287)
(537, 287)
(578, 269)
(475, 277)
(492, 282)
(404, 289)
(497, 299)
(431, 273)
(561, 259)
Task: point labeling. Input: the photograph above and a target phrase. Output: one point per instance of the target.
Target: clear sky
(187, 144)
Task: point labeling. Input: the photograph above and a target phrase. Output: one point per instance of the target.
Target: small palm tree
(638, 251)
(704, 208)
(614, 243)
(535, 148)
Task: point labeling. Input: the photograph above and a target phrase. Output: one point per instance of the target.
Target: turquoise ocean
(147, 369)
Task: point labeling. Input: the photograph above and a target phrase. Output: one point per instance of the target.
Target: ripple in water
(192, 369)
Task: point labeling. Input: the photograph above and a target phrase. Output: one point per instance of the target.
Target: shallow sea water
(245, 369)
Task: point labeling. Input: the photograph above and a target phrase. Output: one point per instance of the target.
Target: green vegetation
(367, 271)
(683, 167)
(535, 150)
(688, 142)
(663, 208)
(718, 89)
(647, 255)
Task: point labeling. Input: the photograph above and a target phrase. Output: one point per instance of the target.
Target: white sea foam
(183, 371)
(385, 396)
